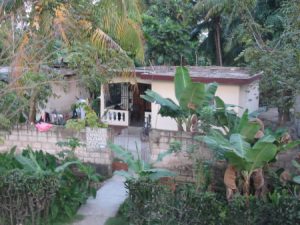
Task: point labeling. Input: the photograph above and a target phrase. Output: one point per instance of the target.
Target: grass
(121, 217)
(67, 221)
(119, 220)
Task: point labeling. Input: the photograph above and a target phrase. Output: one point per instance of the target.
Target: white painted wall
(250, 96)
(245, 96)
(229, 94)
(65, 95)
(165, 89)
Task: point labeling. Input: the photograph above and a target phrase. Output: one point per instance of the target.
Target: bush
(151, 203)
(37, 186)
(25, 198)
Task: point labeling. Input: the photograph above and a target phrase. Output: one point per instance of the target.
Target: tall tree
(105, 34)
(277, 53)
(167, 26)
(220, 18)
(212, 10)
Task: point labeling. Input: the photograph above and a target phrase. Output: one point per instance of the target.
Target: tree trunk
(32, 107)
(246, 185)
(217, 35)
(179, 125)
(283, 116)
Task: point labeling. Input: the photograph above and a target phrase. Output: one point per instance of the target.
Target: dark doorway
(139, 105)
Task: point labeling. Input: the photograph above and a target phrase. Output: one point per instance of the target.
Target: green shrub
(25, 199)
(122, 217)
(37, 186)
(151, 203)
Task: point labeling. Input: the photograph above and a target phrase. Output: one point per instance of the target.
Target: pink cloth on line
(43, 127)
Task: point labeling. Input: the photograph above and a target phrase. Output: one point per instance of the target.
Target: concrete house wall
(64, 95)
(230, 94)
(236, 87)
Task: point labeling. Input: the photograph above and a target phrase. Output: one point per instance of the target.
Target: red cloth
(43, 127)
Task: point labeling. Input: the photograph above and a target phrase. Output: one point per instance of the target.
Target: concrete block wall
(23, 136)
(182, 161)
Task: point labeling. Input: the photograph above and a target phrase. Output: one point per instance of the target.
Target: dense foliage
(167, 26)
(277, 54)
(138, 168)
(151, 203)
(95, 39)
(38, 188)
(262, 35)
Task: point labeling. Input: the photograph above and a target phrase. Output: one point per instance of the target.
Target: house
(121, 104)
(66, 89)
(66, 92)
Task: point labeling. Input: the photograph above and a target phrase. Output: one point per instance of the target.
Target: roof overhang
(222, 75)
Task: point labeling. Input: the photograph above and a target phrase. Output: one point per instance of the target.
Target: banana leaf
(192, 96)
(29, 164)
(238, 162)
(260, 154)
(240, 146)
(210, 93)
(181, 80)
(65, 165)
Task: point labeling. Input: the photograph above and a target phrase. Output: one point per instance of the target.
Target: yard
(149, 112)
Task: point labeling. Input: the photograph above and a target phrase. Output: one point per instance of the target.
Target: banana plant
(30, 164)
(227, 118)
(138, 168)
(244, 151)
(191, 98)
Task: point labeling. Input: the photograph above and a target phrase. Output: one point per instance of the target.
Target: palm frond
(210, 8)
(101, 39)
(121, 20)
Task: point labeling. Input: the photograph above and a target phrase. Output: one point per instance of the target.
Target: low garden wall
(100, 155)
(182, 161)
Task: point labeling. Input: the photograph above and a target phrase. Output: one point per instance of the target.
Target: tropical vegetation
(39, 188)
(99, 39)
(259, 34)
(194, 99)
(95, 39)
(138, 169)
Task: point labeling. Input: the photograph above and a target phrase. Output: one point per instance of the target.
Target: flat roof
(205, 74)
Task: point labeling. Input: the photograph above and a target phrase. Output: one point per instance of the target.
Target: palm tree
(212, 12)
(110, 29)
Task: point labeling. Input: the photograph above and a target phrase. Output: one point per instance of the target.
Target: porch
(121, 104)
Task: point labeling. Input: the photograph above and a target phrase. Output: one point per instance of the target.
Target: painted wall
(250, 96)
(229, 94)
(65, 95)
(165, 89)
(245, 96)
